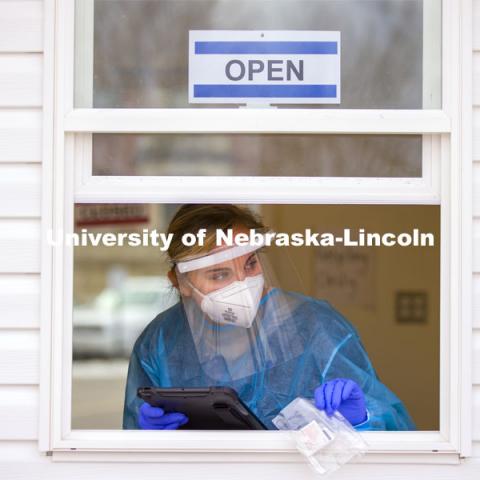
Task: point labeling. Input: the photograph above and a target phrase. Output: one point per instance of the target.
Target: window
(119, 290)
(392, 144)
(150, 69)
(258, 155)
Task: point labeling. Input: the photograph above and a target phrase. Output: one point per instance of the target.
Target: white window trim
(255, 120)
(453, 123)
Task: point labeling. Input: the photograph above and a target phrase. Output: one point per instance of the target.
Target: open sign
(264, 67)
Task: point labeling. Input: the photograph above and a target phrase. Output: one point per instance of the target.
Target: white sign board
(264, 67)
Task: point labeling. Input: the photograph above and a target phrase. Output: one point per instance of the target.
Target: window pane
(258, 155)
(390, 294)
(390, 50)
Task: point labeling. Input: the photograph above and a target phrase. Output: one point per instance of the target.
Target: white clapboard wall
(20, 173)
(20, 176)
(476, 227)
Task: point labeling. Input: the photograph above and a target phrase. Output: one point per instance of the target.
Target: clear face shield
(239, 319)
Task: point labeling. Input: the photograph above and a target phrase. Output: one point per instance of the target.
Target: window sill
(226, 447)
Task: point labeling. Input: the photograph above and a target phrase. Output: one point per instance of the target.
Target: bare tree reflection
(141, 46)
(265, 155)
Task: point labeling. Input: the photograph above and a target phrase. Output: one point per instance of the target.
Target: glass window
(390, 50)
(391, 295)
(258, 155)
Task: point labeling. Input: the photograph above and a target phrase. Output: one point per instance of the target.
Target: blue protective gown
(165, 356)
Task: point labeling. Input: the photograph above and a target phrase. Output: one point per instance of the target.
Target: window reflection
(258, 155)
(382, 46)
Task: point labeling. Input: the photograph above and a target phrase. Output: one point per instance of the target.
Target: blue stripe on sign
(265, 91)
(266, 47)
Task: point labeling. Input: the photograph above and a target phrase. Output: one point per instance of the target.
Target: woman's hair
(191, 218)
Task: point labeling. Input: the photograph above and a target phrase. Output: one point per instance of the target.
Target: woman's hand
(154, 418)
(344, 395)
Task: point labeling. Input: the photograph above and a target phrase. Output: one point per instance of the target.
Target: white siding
(13, 469)
(476, 187)
(20, 190)
(20, 157)
(476, 227)
(20, 135)
(476, 23)
(476, 300)
(20, 170)
(18, 412)
(19, 352)
(21, 80)
(21, 26)
(19, 301)
(19, 246)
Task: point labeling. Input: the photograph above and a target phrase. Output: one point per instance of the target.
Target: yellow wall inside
(405, 356)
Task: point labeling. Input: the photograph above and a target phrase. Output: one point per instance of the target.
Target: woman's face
(215, 277)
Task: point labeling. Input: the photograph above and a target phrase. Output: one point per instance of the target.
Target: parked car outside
(109, 325)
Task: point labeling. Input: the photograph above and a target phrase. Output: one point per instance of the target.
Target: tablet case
(213, 408)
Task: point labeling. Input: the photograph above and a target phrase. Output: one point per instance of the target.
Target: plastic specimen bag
(326, 442)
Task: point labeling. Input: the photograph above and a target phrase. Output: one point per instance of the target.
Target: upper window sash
(245, 119)
(407, 76)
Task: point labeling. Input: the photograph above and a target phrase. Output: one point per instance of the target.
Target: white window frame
(67, 178)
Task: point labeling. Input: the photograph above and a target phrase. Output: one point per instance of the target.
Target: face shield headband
(216, 257)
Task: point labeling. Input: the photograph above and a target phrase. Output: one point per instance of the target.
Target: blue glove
(154, 418)
(344, 395)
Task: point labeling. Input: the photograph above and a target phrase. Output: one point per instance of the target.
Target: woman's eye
(251, 265)
(218, 276)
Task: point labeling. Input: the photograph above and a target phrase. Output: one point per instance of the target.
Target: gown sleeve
(137, 377)
(349, 359)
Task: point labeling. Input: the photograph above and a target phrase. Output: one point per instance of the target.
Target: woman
(234, 327)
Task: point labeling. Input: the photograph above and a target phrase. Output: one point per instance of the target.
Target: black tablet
(213, 408)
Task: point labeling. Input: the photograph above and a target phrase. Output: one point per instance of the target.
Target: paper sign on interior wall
(264, 67)
(345, 276)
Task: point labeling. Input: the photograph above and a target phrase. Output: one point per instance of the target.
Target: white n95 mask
(235, 304)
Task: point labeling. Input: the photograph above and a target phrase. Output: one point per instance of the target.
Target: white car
(109, 325)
